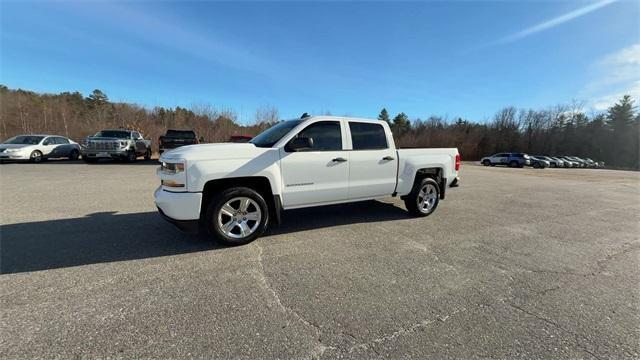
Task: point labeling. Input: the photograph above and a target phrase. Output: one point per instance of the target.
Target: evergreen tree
(384, 116)
(620, 119)
(97, 98)
(401, 123)
(620, 115)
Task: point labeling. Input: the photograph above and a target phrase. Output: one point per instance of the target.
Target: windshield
(26, 140)
(116, 134)
(272, 135)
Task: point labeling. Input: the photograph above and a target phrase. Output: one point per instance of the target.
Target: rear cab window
(368, 136)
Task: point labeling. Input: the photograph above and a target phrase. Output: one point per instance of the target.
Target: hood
(218, 151)
(14, 146)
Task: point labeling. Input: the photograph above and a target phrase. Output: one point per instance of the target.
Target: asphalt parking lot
(515, 263)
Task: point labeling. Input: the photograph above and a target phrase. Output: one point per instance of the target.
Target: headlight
(172, 168)
(123, 143)
(12, 150)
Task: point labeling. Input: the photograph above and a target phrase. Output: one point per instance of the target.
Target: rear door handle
(339, 159)
(388, 158)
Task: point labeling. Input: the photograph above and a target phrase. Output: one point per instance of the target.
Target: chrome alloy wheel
(239, 217)
(427, 198)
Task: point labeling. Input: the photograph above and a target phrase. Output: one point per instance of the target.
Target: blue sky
(466, 58)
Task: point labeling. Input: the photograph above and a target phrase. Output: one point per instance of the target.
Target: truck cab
(234, 190)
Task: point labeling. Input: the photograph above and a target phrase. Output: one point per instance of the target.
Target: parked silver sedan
(36, 148)
(552, 162)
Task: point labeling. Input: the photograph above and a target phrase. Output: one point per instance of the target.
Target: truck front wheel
(423, 198)
(237, 216)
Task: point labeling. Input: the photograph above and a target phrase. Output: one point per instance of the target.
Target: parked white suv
(235, 190)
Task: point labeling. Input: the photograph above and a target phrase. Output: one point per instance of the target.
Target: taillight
(457, 162)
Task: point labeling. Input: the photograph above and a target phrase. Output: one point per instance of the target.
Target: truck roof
(336, 118)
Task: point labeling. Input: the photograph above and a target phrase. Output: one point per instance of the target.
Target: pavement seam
(321, 347)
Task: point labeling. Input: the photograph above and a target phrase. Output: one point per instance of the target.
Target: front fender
(265, 165)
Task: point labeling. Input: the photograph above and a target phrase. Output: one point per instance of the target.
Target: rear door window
(366, 136)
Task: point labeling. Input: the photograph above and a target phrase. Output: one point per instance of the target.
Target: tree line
(611, 136)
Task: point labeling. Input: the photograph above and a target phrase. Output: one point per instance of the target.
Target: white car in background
(36, 148)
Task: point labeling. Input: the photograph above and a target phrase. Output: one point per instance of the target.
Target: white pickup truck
(235, 190)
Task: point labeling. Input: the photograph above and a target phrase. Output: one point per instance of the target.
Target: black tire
(513, 163)
(536, 165)
(89, 160)
(412, 200)
(486, 162)
(147, 154)
(131, 156)
(553, 165)
(75, 154)
(36, 156)
(215, 206)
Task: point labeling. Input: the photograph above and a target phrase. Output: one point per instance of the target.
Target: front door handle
(339, 159)
(388, 158)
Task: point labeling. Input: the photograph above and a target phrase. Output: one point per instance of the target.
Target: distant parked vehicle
(539, 162)
(581, 162)
(240, 138)
(36, 148)
(508, 159)
(570, 162)
(560, 162)
(176, 138)
(115, 144)
(592, 163)
(552, 162)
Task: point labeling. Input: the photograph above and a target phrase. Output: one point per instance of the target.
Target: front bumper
(178, 205)
(103, 154)
(187, 226)
(13, 156)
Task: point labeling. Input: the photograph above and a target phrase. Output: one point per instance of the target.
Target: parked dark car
(508, 159)
(176, 138)
(240, 138)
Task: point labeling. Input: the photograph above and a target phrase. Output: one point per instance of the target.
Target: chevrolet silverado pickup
(234, 191)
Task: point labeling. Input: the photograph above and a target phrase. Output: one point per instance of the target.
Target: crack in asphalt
(557, 326)
(321, 347)
(370, 345)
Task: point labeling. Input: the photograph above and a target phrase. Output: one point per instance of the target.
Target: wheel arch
(261, 184)
(435, 173)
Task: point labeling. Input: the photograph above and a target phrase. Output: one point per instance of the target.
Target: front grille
(103, 145)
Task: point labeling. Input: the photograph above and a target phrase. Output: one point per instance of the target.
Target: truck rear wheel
(147, 154)
(423, 198)
(237, 216)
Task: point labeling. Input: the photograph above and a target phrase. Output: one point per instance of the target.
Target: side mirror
(301, 143)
